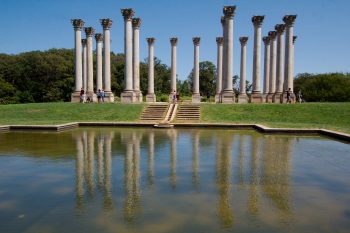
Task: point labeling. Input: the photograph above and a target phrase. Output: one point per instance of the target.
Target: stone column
(219, 42)
(272, 80)
(89, 31)
(228, 96)
(196, 96)
(256, 93)
(279, 70)
(266, 40)
(83, 42)
(224, 63)
(150, 97)
(242, 97)
(107, 24)
(78, 24)
(136, 23)
(289, 62)
(99, 39)
(128, 95)
(173, 42)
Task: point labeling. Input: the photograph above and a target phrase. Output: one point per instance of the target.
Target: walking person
(102, 95)
(99, 95)
(289, 96)
(174, 96)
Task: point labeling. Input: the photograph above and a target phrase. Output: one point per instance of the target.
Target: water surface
(176, 180)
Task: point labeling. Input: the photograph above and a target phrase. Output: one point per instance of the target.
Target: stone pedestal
(263, 98)
(218, 98)
(243, 98)
(228, 97)
(139, 96)
(269, 98)
(151, 98)
(75, 97)
(196, 98)
(256, 98)
(128, 97)
(276, 98)
(109, 97)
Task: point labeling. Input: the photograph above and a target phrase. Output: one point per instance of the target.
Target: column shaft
(279, 69)
(256, 59)
(173, 64)
(243, 69)
(272, 81)
(136, 22)
(128, 56)
(84, 65)
(98, 62)
(266, 65)
(219, 41)
(78, 60)
(229, 57)
(150, 69)
(224, 54)
(196, 70)
(107, 60)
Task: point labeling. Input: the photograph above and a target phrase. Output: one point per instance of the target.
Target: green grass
(335, 116)
(58, 113)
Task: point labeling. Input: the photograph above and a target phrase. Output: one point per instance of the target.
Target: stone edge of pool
(258, 127)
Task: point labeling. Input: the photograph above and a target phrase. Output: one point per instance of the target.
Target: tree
(207, 72)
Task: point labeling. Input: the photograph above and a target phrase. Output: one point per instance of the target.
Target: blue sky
(322, 28)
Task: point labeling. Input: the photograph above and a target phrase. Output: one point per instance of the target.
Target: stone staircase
(188, 112)
(154, 112)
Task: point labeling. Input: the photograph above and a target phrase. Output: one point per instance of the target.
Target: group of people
(84, 99)
(175, 96)
(290, 97)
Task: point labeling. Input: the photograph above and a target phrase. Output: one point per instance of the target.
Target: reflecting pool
(172, 180)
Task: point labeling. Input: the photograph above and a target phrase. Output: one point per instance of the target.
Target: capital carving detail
(173, 41)
(219, 40)
(289, 20)
(106, 23)
(223, 20)
(294, 39)
(83, 42)
(229, 11)
(78, 24)
(272, 35)
(280, 28)
(258, 20)
(151, 40)
(98, 37)
(196, 40)
(89, 31)
(136, 22)
(243, 40)
(127, 13)
(266, 40)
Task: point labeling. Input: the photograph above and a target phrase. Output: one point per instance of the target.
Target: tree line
(48, 76)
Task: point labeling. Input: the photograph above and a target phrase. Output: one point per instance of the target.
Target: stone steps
(154, 112)
(188, 112)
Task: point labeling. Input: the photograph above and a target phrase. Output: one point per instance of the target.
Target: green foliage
(332, 87)
(207, 72)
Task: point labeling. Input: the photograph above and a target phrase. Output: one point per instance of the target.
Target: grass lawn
(58, 113)
(335, 116)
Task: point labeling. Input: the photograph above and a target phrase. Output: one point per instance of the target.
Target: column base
(196, 98)
(263, 96)
(75, 97)
(284, 98)
(242, 99)
(256, 98)
(228, 97)
(128, 97)
(151, 98)
(218, 98)
(269, 98)
(109, 97)
(277, 98)
(138, 96)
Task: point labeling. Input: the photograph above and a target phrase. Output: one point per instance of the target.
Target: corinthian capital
(258, 20)
(289, 20)
(219, 40)
(272, 35)
(89, 31)
(229, 11)
(136, 22)
(243, 40)
(266, 40)
(78, 24)
(127, 13)
(173, 41)
(280, 28)
(98, 37)
(196, 40)
(150, 40)
(106, 23)
(83, 42)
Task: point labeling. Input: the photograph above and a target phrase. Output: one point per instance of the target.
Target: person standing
(102, 95)
(289, 96)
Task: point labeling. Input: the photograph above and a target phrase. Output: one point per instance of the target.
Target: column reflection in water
(253, 196)
(91, 163)
(132, 183)
(150, 172)
(79, 179)
(108, 202)
(195, 159)
(223, 179)
(100, 165)
(173, 138)
(276, 174)
(241, 162)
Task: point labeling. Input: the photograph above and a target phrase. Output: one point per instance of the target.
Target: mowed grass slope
(335, 116)
(58, 113)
